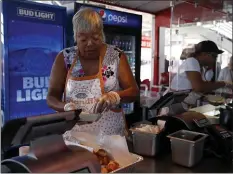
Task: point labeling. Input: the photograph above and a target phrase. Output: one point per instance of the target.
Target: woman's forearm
(129, 95)
(209, 86)
(55, 104)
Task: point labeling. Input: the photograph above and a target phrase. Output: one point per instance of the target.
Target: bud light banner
(33, 35)
(116, 18)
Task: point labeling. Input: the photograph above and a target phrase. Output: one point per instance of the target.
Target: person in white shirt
(190, 76)
(207, 72)
(226, 74)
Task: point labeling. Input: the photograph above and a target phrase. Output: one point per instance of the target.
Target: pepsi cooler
(123, 30)
(33, 35)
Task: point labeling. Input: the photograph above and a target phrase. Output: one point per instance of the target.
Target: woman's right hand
(24, 150)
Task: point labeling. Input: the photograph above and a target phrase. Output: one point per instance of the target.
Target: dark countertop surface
(164, 164)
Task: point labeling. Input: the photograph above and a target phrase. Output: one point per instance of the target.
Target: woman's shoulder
(191, 64)
(191, 61)
(69, 51)
(69, 54)
(114, 48)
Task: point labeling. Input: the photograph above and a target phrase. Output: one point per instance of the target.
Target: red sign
(146, 42)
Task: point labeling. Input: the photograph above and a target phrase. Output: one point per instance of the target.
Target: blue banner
(116, 18)
(33, 35)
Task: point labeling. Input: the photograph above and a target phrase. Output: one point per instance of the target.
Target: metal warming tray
(187, 147)
(129, 168)
(149, 140)
(124, 169)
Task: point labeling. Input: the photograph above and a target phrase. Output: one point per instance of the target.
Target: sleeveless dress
(82, 89)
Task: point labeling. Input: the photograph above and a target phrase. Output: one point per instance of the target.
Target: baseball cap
(207, 46)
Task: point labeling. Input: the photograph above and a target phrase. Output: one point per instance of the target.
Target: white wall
(200, 33)
(146, 68)
(162, 54)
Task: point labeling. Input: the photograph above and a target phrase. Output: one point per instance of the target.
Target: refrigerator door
(126, 43)
(33, 36)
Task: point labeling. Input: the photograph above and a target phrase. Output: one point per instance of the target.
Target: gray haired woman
(92, 76)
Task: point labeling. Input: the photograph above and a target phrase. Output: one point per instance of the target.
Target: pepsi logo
(118, 19)
(102, 14)
(112, 17)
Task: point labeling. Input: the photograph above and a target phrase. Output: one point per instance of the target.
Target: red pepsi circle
(101, 12)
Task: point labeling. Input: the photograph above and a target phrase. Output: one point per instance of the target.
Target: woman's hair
(86, 20)
(188, 52)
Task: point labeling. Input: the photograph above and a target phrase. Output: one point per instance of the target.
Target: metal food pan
(187, 147)
(150, 141)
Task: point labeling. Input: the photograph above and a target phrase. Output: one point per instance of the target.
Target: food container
(144, 143)
(112, 145)
(187, 147)
(129, 168)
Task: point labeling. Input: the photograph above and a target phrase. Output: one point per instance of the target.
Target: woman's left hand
(106, 102)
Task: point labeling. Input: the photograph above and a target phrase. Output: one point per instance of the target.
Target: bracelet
(69, 107)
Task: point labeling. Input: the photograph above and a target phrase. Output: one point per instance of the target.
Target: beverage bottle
(113, 42)
(129, 60)
(130, 46)
(131, 107)
(116, 43)
(119, 44)
(123, 45)
(133, 61)
(126, 45)
(126, 109)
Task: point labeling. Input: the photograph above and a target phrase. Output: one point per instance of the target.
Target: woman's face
(208, 59)
(89, 44)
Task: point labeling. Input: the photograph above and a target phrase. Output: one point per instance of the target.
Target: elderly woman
(93, 76)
